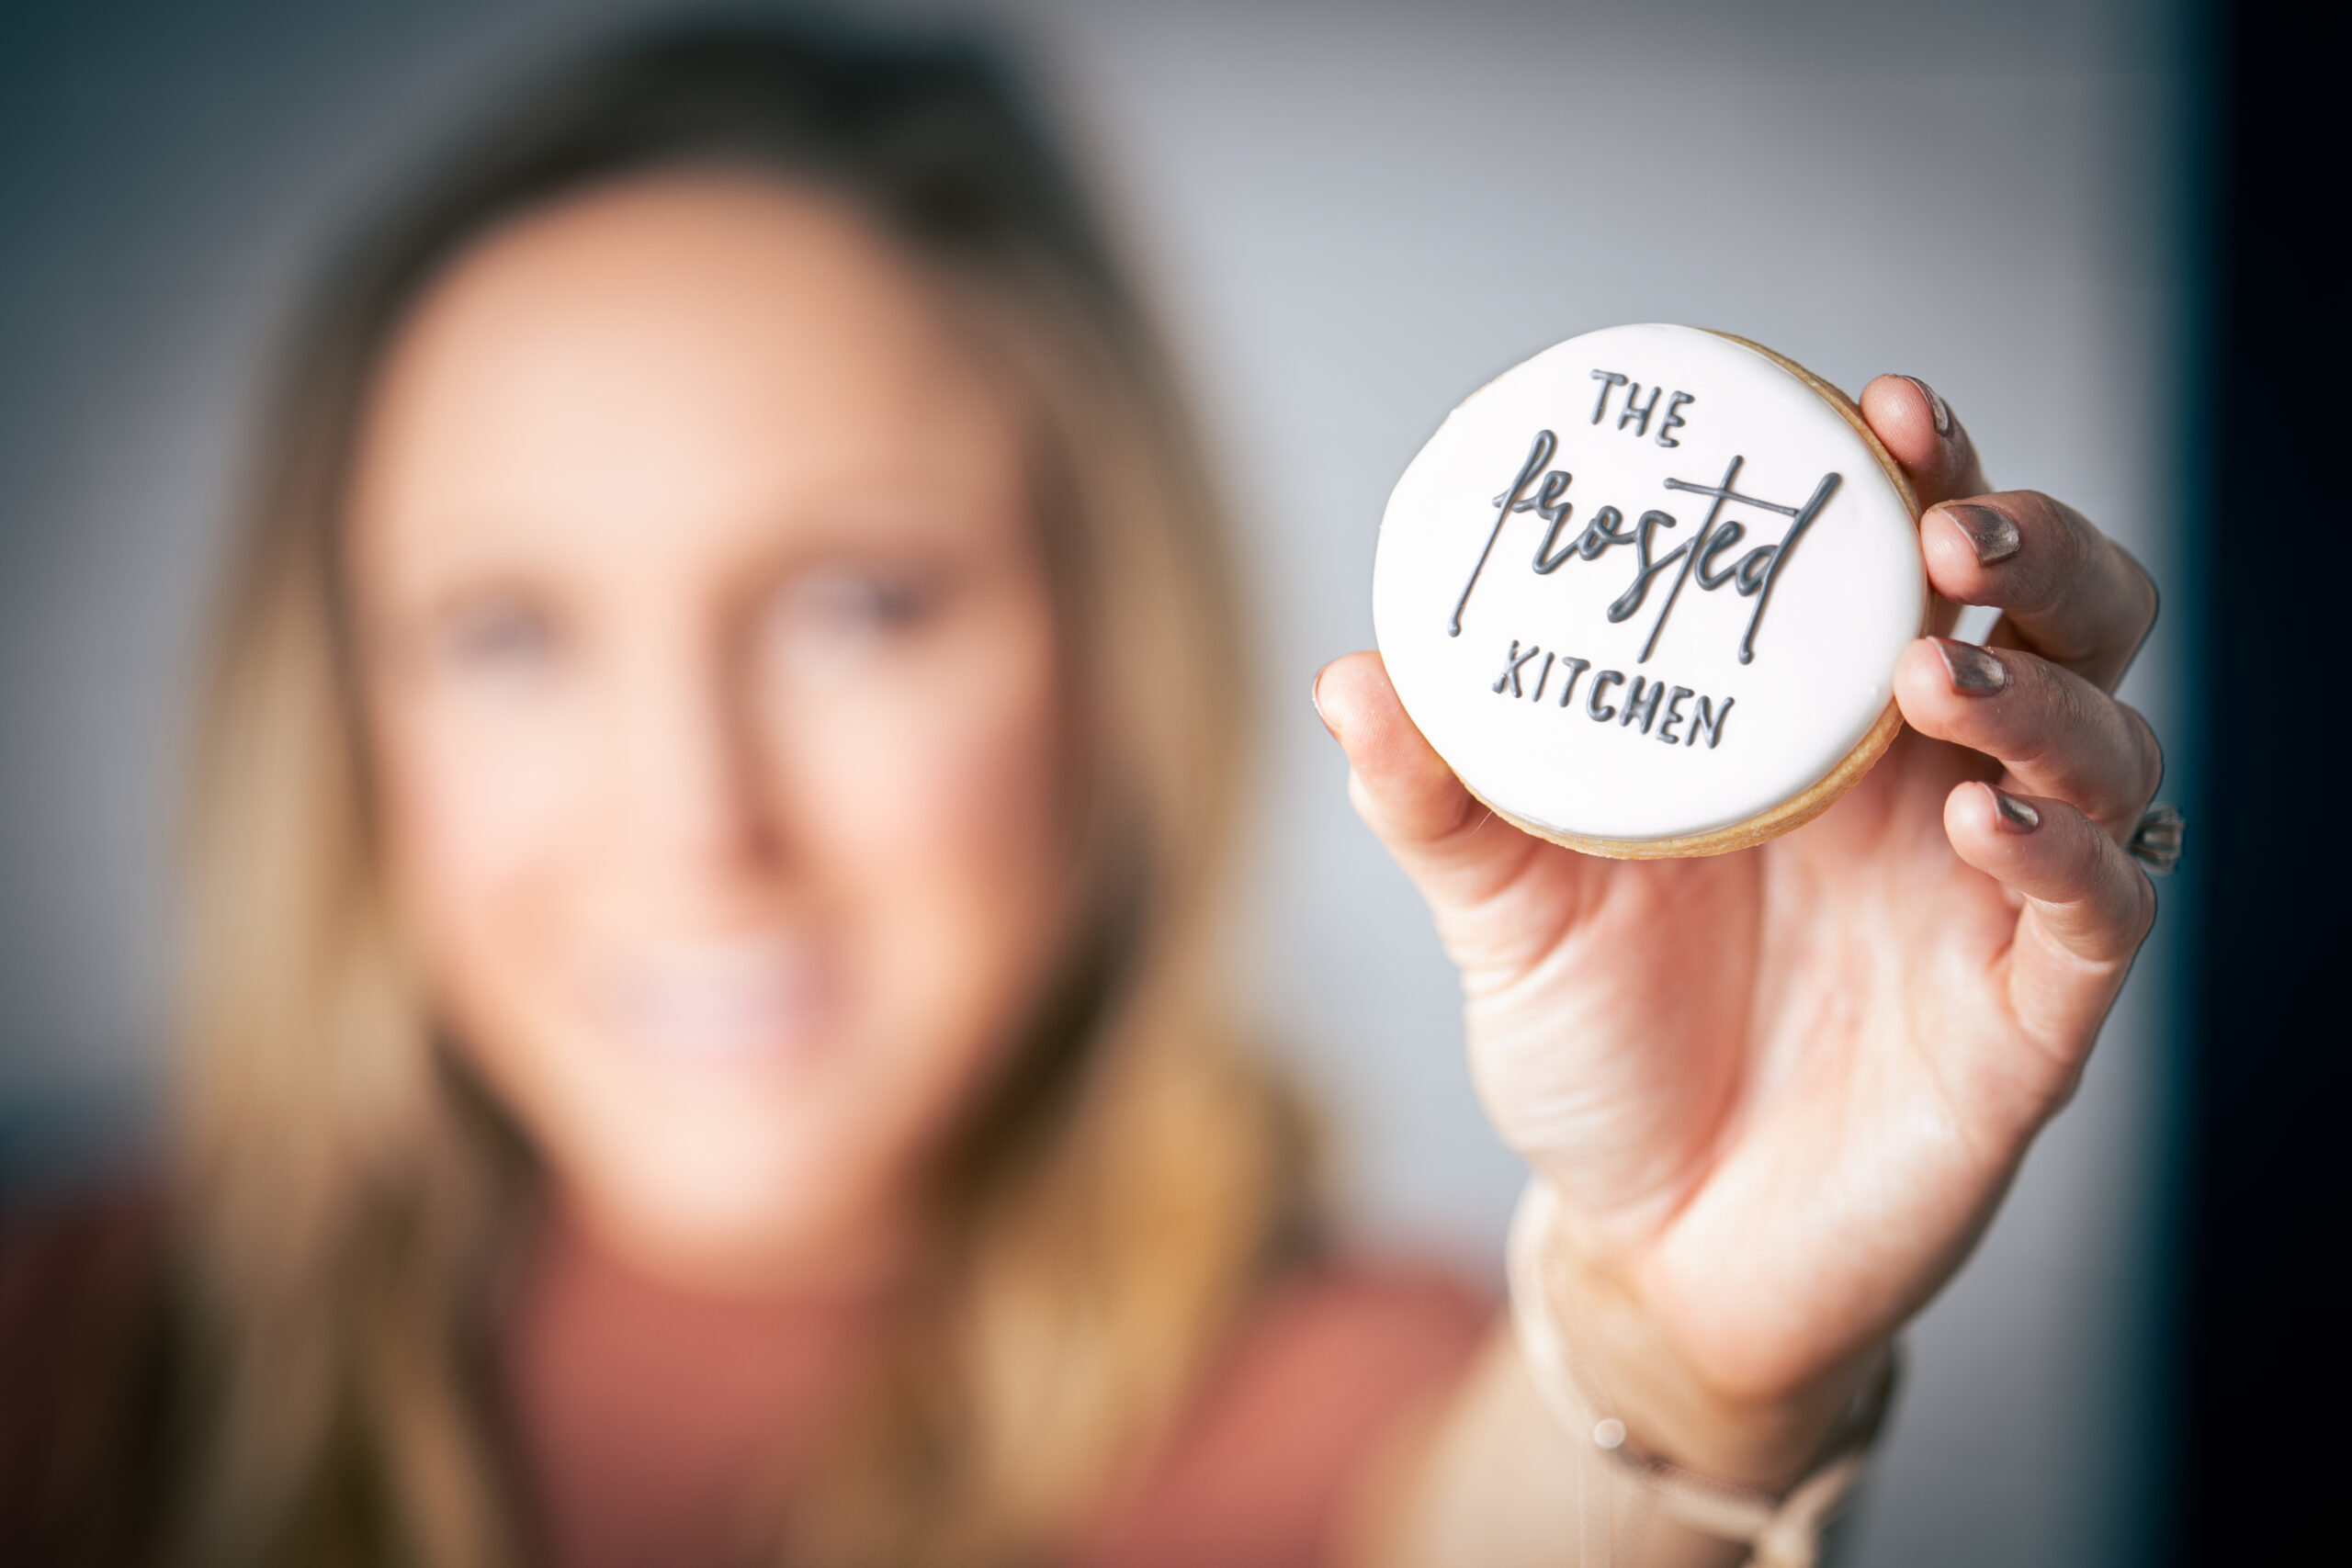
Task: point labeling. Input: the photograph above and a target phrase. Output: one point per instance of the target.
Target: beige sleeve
(1496, 1482)
(1528, 1464)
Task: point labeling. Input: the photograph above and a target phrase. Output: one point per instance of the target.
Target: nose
(695, 803)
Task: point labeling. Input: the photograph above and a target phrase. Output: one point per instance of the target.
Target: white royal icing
(1634, 415)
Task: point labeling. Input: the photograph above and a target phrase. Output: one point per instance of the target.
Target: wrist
(1670, 1405)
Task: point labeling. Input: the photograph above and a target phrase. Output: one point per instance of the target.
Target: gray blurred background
(1350, 216)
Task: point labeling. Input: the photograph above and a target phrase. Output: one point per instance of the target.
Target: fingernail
(2016, 816)
(1990, 533)
(1975, 671)
(1937, 407)
(1315, 696)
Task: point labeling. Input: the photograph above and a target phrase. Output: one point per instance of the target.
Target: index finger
(2071, 593)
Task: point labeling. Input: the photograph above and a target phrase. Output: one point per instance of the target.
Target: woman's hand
(1781, 1091)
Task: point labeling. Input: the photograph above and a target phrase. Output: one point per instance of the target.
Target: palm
(1760, 1072)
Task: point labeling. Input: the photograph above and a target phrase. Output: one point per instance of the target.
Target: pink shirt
(645, 1420)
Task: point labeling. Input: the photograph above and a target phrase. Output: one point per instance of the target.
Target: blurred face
(713, 682)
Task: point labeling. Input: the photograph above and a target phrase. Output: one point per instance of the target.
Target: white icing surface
(1847, 600)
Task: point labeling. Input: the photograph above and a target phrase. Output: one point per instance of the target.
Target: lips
(744, 1002)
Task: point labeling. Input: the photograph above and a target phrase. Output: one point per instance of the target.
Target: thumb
(1453, 847)
(1919, 431)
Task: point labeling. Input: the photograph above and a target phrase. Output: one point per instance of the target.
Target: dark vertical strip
(2265, 1345)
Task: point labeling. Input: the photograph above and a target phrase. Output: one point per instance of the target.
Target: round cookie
(1644, 592)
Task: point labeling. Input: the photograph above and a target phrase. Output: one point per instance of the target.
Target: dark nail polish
(2016, 816)
(1937, 407)
(1975, 671)
(1990, 533)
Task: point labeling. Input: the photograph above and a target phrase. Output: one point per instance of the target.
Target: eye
(861, 601)
(499, 636)
(825, 619)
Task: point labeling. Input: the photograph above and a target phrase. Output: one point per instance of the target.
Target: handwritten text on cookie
(1635, 411)
(1752, 576)
(1645, 701)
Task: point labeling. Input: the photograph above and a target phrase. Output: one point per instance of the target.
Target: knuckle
(2029, 739)
(2082, 535)
(2056, 544)
(2148, 756)
(2061, 525)
(2092, 848)
(2102, 754)
(2142, 916)
(2122, 901)
(2077, 558)
(2054, 719)
(2140, 587)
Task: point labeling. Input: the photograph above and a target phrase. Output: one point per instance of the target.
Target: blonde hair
(351, 1194)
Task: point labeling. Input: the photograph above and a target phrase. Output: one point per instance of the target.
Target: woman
(700, 1039)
